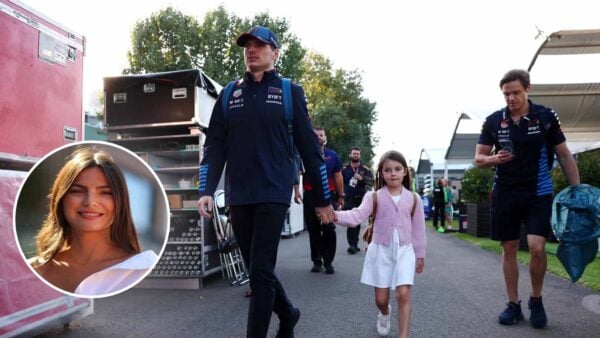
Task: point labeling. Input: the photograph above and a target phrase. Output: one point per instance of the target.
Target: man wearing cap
(253, 140)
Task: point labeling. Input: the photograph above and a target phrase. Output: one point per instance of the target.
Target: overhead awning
(577, 104)
(569, 42)
(461, 150)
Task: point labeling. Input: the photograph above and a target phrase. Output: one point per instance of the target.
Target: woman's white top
(118, 277)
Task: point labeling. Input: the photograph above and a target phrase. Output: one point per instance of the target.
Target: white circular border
(109, 145)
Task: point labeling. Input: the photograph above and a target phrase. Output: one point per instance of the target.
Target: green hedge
(477, 185)
(588, 164)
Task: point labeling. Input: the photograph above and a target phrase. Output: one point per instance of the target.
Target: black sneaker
(357, 249)
(286, 329)
(537, 318)
(351, 250)
(316, 268)
(511, 314)
(329, 269)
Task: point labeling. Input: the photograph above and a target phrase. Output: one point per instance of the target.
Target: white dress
(119, 277)
(389, 266)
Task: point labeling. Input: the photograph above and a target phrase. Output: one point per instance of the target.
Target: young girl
(398, 246)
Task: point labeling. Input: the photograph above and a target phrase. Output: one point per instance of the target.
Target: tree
(335, 103)
(477, 185)
(166, 41)
(588, 164)
(219, 56)
(223, 60)
(170, 40)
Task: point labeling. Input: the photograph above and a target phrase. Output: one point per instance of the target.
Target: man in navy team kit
(253, 139)
(322, 235)
(525, 136)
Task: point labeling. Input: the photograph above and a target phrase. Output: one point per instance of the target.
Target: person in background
(439, 205)
(357, 180)
(322, 235)
(448, 208)
(520, 141)
(253, 140)
(454, 197)
(398, 247)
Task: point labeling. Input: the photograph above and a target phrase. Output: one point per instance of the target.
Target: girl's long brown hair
(55, 234)
(393, 156)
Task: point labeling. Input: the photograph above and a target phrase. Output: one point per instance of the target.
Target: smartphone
(507, 145)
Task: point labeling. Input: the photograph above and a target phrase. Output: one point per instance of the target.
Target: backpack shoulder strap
(374, 212)
(225, 99)
(286, 92)
(414, 207)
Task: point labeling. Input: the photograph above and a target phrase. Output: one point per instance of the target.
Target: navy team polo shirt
(534, 137)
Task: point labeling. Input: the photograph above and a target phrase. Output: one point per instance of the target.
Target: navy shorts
(511, 209)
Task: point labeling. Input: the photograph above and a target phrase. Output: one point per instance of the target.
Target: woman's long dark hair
(55, 234)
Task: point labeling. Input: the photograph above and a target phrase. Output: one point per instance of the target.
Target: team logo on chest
(237, 93)
(533, 127)
(274, 95)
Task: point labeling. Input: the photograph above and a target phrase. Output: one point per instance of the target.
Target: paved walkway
(460, 294)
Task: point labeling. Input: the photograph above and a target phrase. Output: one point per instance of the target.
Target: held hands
(326, 214)
(358, 177)
(205, 206)
(420, 265)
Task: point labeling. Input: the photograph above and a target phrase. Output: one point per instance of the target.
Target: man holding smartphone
(525, 137)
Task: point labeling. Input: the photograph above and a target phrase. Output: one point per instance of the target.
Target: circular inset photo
(91, 219)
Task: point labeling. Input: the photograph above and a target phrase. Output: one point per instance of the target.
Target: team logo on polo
(274, 90)
(274, 95)
(237, 93)
(504, 123)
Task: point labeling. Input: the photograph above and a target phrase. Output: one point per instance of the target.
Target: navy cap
(260, 33)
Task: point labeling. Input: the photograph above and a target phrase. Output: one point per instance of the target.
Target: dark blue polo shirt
(534, 137)
(254, 143)
(332, 166)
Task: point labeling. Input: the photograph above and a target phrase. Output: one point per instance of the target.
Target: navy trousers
(257, 229)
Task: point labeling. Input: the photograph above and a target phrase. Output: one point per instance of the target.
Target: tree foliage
(335, 103)
(588, 164)
(166, 41)
(477, 184)
(170, 40)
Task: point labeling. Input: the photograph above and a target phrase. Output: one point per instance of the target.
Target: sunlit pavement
(460, 294)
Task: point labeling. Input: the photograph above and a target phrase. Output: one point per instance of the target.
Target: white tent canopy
(461, 150)
(577, 104)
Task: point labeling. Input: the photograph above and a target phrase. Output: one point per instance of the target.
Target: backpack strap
(374, 212)
(227, 91)
(414, 207)
(286, 92)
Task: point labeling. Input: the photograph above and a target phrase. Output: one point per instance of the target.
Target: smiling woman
(88, 245)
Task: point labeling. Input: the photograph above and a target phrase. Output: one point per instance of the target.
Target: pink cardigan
(390, 215)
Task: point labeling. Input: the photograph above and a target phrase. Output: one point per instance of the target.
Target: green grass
(590, 277)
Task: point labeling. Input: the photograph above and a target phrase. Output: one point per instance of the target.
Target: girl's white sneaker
(383, 323)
